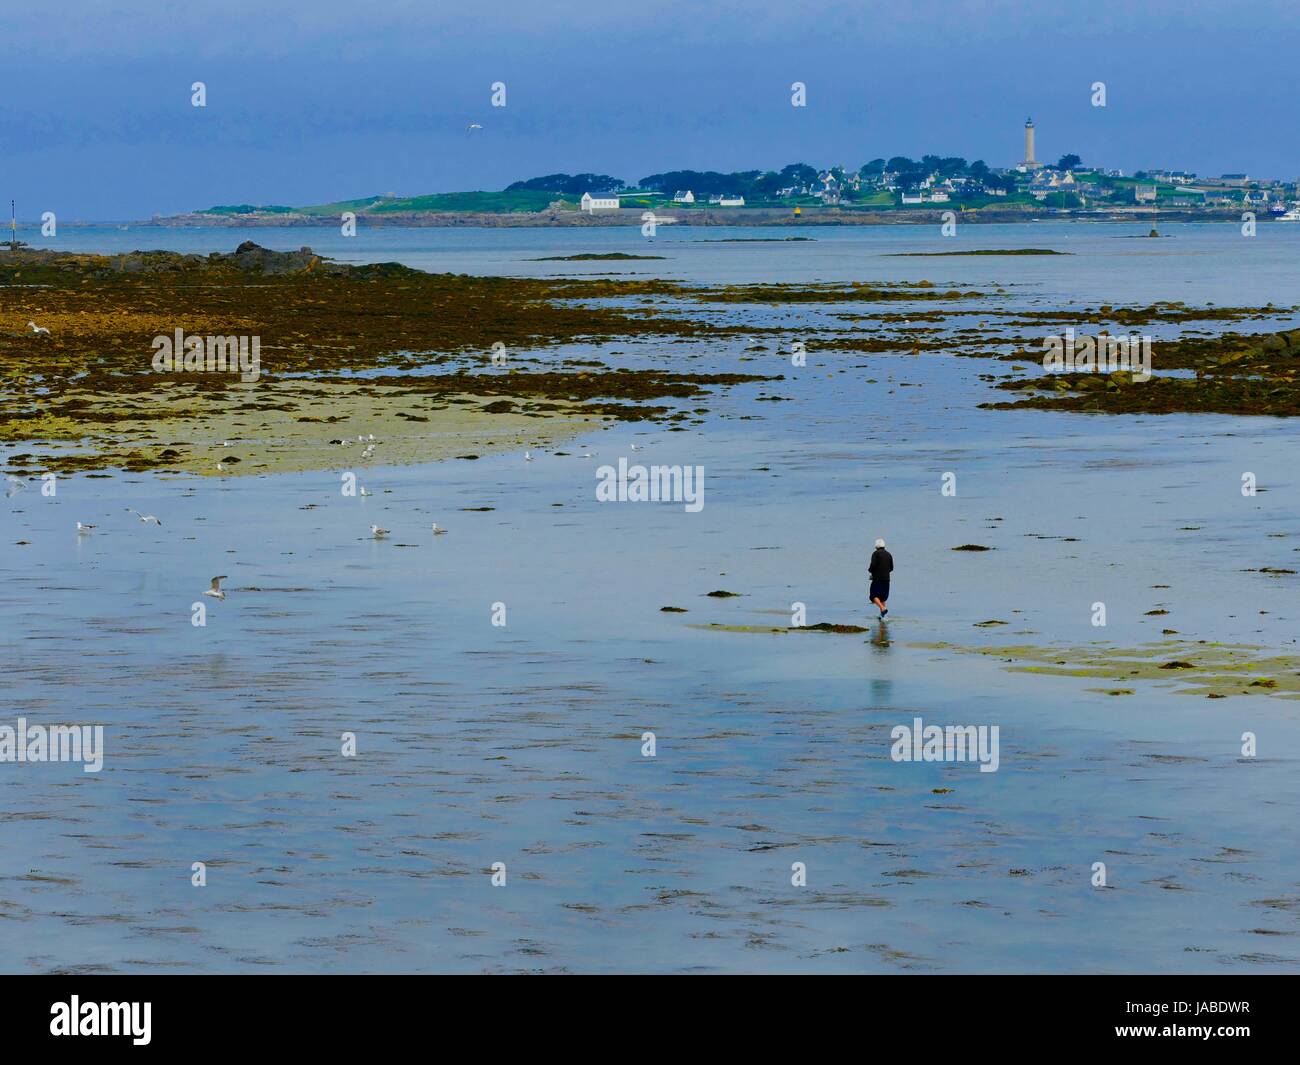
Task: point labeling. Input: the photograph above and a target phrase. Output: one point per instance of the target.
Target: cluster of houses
(1092, 186)
(688, 196)
(609, 201)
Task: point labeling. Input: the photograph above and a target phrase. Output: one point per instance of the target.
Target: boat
(1292, 215)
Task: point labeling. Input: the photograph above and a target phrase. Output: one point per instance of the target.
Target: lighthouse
(1030, 162)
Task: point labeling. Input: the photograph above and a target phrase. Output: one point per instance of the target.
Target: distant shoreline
(742, 216)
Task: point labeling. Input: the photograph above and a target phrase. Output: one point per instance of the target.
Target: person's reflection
(881, 636)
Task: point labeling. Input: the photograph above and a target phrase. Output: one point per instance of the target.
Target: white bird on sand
(84, 529)
(438, 530)
(38, 329)
(221, 467)
(377, 532)
(146, 518)
(215, 591)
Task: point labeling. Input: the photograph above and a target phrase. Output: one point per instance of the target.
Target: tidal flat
(392, 345)
(523, 743)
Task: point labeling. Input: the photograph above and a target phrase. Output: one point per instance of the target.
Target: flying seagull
(84, 530)
(146, 518)
(215, 591)
(38, 329)
(15, 485)
(528, 456)
(472, 127)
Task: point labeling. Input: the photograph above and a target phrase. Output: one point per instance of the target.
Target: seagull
(636, 447)
(377, 532)
(221, 467)
(215, 591)
(588, 455)
(15, 485)
(438, 530)
(472, 127)
(146, 518)
(528, 456)
(38, 329)
(366, 492)
(84, 530)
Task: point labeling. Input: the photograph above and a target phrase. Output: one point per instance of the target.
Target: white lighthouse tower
(1030, 162)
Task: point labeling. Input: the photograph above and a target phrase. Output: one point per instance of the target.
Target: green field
(248, 208)
(524, 200)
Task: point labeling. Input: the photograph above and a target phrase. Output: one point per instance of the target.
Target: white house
(684, 197)
(731, 201)
(605, 201)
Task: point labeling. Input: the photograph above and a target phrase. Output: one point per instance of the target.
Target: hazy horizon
(305, 107)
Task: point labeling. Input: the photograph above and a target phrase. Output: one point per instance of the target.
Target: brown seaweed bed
(382, 348)
(88, 396)
(1232, 374)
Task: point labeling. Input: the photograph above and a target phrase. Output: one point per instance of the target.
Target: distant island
(898, 189)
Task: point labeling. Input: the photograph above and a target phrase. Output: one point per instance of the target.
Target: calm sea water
(522, 744)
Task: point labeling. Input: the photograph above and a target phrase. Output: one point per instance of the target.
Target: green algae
(1205, 669)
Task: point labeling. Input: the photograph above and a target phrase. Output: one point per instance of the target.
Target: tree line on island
(760, 185)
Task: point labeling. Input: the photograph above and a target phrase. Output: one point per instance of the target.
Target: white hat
(880, 543)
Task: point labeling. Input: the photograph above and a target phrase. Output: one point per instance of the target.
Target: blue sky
(316, 101)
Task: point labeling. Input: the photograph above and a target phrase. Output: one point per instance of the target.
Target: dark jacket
(882, 564)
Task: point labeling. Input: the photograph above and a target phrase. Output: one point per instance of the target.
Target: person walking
(882, 565)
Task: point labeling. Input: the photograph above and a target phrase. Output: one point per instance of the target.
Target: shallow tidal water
(522, 743)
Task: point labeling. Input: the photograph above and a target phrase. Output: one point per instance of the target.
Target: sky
(311, 101)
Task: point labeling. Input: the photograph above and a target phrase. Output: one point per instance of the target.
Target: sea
(494, 751)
